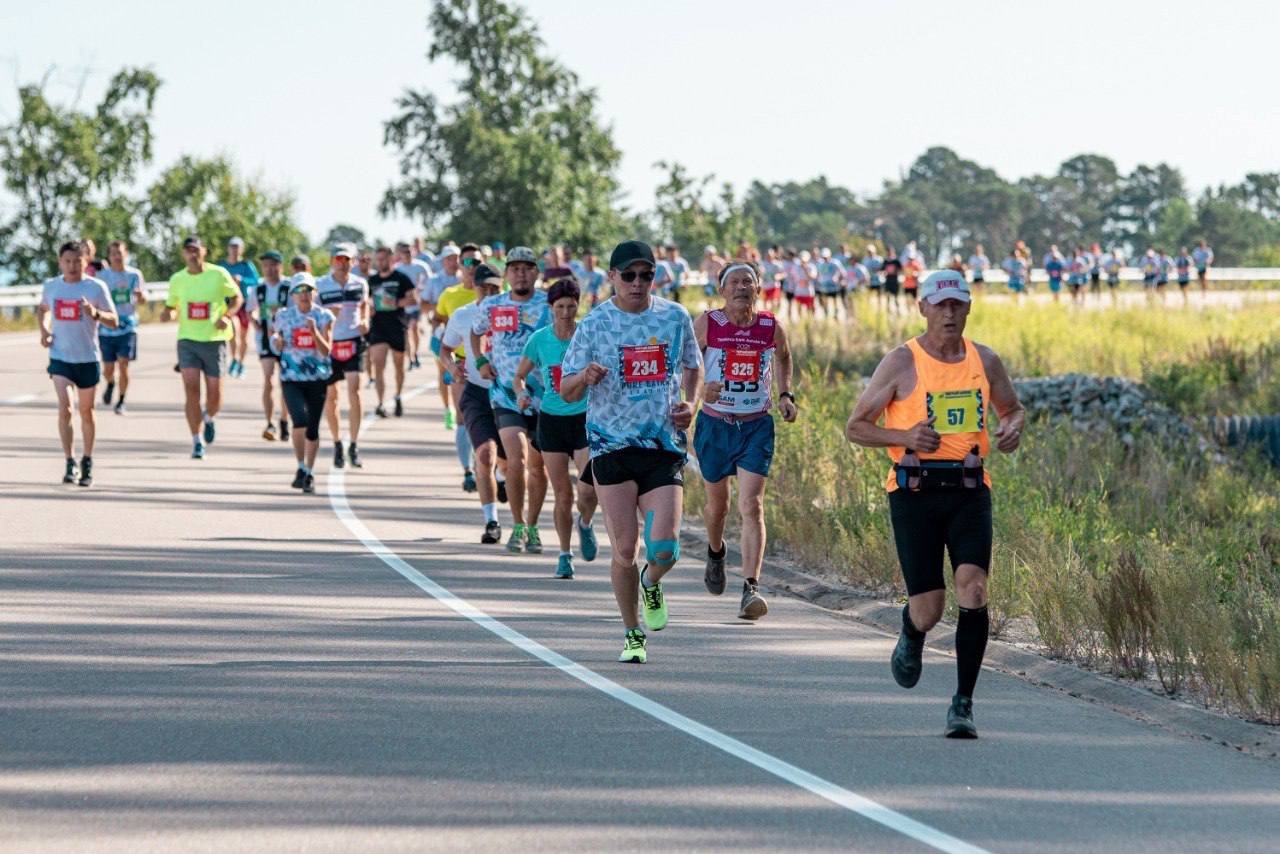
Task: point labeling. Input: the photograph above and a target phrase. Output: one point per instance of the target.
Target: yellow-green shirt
(451, 299)
(201, 299)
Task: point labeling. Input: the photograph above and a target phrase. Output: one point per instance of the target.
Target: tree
(343, 233)
(684, 217)
(1140, 201)
(799, 214)
(68, 169)
(522, 156)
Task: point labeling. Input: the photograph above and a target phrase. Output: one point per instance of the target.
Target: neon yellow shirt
(451, 299)
(200, 300)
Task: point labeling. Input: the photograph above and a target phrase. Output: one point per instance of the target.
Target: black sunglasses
(630, 276)
(470, 261)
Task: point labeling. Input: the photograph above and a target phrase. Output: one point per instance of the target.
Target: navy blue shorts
(115, 347)
(723, 447)
(83, 374)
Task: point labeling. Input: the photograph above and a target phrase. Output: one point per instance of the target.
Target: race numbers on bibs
(120, 296)
(644, 364)
(387, 299)
(303, 339)
(343, 350)
(504, 318)
(556, 373)
(66, 309)
(742, 366)
(197, 311)
(956, 411)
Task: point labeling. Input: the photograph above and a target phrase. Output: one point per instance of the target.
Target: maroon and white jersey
(740, 357)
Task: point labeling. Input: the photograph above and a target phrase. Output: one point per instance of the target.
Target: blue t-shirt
(1054, 268)
(645, 355)
(509, 322)
(75, 338)
(300, 360)
(546, 350)
(123, 287)
(246, 271)
(594, 281)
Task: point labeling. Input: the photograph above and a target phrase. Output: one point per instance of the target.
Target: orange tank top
(956, 395)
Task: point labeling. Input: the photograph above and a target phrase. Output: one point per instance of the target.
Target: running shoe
(338, 459)
(380, 411)
(960, 719)
(713, 577)
(120, 408)
(492, 534)
(299, 478)
(753, 605)
(309, 484)
(399, 407)
(353, 457)
(502, 491)
(564, 567)
(86, 471)
(533, 540)
(284, 430)
(269, 432)
(516, 542)
(209, 431)
(107, 393)
(655, 605)
(633, 651)
(71, 473)
(468, 482)
(450, 420)
(587, 541)
(906, 661)
(197, 451)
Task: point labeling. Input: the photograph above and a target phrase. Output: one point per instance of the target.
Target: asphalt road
(193, 656)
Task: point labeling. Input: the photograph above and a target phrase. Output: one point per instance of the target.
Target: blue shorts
(1017, 286)
(1055, 285)
(116, 347)
(723, 447)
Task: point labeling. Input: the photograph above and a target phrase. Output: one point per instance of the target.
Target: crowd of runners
(556, 372)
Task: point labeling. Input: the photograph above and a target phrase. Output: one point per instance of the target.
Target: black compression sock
(912, 631)
(971, 644)
(717, 555)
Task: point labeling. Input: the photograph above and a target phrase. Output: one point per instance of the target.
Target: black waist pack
(938, 476)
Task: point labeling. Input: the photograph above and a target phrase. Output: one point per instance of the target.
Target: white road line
(19, 400)
(863, 806)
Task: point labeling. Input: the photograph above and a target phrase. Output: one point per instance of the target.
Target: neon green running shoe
(633, 651)
(532, 540)
(655, 605)
(450, 420)
(516, 541)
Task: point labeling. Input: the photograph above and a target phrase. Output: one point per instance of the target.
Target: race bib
(556, 373)
(343, 350)
(956, 411)
(644, 364)
(504, 318)
(742, 366)
(303, 339)
(66, 309)
(120, 296)
(197, 311)
(387, 300)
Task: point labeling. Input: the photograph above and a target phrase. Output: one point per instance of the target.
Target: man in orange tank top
(935, 393)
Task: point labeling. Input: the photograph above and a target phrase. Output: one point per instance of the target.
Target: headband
(724, 274)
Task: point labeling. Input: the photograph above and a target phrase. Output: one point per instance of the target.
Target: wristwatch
(786, 394)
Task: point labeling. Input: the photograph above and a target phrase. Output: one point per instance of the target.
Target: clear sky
(296, 91)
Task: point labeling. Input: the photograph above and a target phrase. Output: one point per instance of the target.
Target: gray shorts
(208, 356)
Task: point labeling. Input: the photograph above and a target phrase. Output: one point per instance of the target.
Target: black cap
(192, 241)
(630, 251)
(271, 255)
(483, 273)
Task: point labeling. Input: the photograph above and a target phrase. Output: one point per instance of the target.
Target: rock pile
(1111, 405)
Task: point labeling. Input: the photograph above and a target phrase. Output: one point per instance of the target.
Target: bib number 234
(644, 364)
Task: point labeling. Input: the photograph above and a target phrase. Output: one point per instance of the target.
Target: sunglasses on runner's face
(470, 261)
(630, 276)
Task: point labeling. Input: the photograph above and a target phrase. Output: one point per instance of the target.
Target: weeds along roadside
(1133, 560)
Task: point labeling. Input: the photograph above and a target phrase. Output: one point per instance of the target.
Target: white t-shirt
(457, 334)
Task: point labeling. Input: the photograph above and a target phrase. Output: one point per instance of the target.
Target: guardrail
(19, 297)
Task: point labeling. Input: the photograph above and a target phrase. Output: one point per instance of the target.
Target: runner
(246, 278)
(119, 345)
(774, 273)
(1183, 264)
(92, 263)
(508, 320)
(266, 298)
(562, 426)
(679, 269)
(1054, 266)
(346, 295)
(891, 267)
(593, 279)
(712, 264)
(1114, 264)
(746, 354)
(1150, 266)
(979, 264)
(664, 276)
(912, 267)
(1164, 266)
(203, 297)
(831, 282)
(1096, 259)
(1203, 256)
(1079, 274)
(301, 335)
(803, 277)
(451, 260)
(874, 263)
(473, 400)
(631, 358)
(934, 393)
(1016, 268)
(392, 292)
(71, 309)
(449, 301)
(418, 273)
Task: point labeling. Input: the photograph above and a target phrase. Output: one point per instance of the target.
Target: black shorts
(354, 365)
(978, 279)
(477, 416)
(648, 468)
(891, 287)
(389, 330)
(562, 434)
(511, 418)
(264, 343)
(83, 374)
(925, 524)
(305, 402)
(1095, 279)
